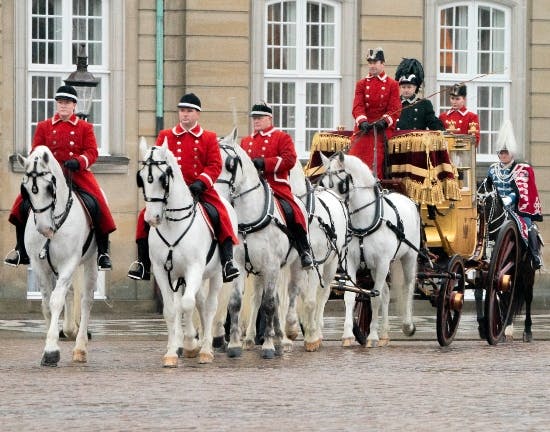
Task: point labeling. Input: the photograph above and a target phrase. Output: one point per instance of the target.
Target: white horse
(385, 230)
(327, 220)
(183, 254)
(266, 246)
(58, 238)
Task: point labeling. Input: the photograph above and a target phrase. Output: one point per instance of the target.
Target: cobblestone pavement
(413, 384)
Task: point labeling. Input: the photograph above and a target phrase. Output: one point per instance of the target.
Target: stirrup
(104, 262)
(230, 272)
(137, 271)
(14, 258)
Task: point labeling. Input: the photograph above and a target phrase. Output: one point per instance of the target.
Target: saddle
(212, 215)
(90, 205)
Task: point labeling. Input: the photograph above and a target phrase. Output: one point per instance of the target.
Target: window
(56, 29)
(302, 68)
(474, 48)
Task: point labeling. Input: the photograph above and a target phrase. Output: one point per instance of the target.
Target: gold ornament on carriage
(473, 128)
(451, 126)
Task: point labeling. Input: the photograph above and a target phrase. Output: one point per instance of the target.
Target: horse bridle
(51, 188)
(164, 177)
(233, 162)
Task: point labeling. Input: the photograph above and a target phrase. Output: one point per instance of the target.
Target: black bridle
(51, 189)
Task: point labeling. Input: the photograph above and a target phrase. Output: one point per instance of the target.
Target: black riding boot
(19, 254)
(141, 269)
(229, 271)
(534, 248)
(302, 246)
(103, 258)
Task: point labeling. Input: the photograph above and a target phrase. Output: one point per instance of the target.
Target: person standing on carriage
(417, 113)
(376, 108)
(273, 154)
(515, 183)
(73, 144)
(459, 119)
(198, 155)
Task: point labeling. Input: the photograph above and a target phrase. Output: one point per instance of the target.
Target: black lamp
(83, 82)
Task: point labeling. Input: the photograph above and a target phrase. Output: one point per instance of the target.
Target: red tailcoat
(277, 150)
(462, 119)
(72, 139)
(376, 97)
(198, 155)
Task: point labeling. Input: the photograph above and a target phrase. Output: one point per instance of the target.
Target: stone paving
(412, 384)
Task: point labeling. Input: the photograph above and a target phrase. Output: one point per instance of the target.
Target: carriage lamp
(83, 82)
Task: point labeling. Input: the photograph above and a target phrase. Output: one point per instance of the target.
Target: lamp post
(83, 82)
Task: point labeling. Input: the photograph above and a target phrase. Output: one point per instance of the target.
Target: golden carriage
(437, 170)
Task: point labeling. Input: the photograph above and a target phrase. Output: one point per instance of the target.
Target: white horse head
(159, 174)
(346, 168)
(45, 186)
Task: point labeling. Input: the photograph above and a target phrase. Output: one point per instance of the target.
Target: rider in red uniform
(73, 143)
(274, 155)
(198, 155)
(464, 121)
(376, 105)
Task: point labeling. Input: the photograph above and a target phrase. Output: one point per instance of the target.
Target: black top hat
(376, 54)
(66, 92)
(458, 90)
(410, 71)
(261, 109)
(190, 100)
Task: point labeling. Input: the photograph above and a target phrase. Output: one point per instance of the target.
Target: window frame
(515, 42)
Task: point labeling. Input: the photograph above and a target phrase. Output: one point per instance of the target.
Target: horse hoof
(384, 342)
(409, 329)
(312, 346)
(268, 354)
(50, 359)
(205, 358)
(249, 344)
(234, 352)
(218, 342)
(179, 352)
(170, 361)
(191, 353)
(527, 337)
(347, 342)
(509, 338)
(371, 343)
(80, 356)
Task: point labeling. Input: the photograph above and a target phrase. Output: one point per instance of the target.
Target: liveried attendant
(199, 158)
(273, 154)
(459, 119)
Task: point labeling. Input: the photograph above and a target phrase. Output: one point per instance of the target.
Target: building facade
(303, 57)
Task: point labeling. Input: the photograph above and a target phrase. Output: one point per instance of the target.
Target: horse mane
(45, 154)
(359, 170)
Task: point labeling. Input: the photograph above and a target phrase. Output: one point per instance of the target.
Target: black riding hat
(66, 92)
(190, 100)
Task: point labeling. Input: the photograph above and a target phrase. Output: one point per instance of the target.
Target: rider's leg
(19, 254)
(229, 271)
(141, 268)
(103, 258)
(18, 217)
(302, 245)
(534, 247)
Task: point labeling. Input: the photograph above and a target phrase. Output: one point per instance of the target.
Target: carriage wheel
(362, 317)
(450, 301)
(501, 281)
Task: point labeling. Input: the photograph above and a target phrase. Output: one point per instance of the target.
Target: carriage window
(56, 28)
(301, 72)
(474, 47)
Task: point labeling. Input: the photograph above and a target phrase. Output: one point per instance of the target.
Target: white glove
(506, 200)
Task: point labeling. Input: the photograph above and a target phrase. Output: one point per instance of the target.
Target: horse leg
(528, 336)
(70, 327)
(384, 333)
(187, 304)
(51, 354)
(406, 269)
(310, 305)
(220, 318)
(269, 304)
(298, 278)
(172, 316)
(254, 302)
(379, 275)
(80, 351)
(481, 322)
(349, 301)
(210, 306)
(234, 348)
